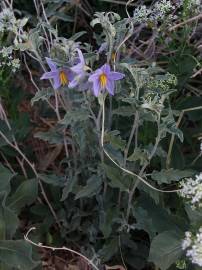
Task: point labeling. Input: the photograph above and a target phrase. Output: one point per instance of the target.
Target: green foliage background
(88, 193)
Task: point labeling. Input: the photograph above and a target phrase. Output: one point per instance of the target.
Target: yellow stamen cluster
(113, 57)
(103, 80)
(63, 78)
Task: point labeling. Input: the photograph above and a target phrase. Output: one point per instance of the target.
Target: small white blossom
(187, 241)
(158, 12)
(6, 51)
(141, 14)
(15, 63)
(161, 9)
(191, 189)
(193, 244)
(7, 60)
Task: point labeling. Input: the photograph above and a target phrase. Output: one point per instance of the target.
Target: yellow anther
(63, 78)
(103, 80)
(113, 57)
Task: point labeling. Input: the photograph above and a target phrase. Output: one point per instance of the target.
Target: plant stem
(134, 128)
(131, 193)
(56, 248)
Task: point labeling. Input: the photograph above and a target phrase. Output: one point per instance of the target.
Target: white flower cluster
(6, 56)
(141, 14)
(158, 12)
(193, 244)
(161, 9)
(9, 23)
(191, 189)
(6, 52)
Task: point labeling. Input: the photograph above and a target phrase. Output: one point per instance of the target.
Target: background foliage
(54, 174)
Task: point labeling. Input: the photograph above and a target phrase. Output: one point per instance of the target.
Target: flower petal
(70, 74)
(106, 68)
(96, 87)
(57, 82)
(116, 76)
(49, 75)
(94, 76)
(52, 65)
(81, 56)
(79, 68)
(110, 86)
(74, 82)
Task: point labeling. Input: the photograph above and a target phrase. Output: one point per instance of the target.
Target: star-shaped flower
(103, 79)
(60, 76)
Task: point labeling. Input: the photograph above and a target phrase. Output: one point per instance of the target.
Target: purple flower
(80, 71)
(103, 78)
(60, 76)
(80, 67)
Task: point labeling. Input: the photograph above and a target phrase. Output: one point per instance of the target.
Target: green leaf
(106, 220)
(25, 194)
(8, 219)
(146, 115)
(34, 40)
(116, 177)
(74, 116)
(124, 111)
(109, 249)
(92, 187)
(18, 254)
(70, 183)
(52, 179)
(169, 125)
(139, 155)
(195, 215)
(189, 102)
(115, 140)
(44, 94)
(52, 136)
(154, 219)
(7, 132)
(5, 177)
(114, 153)
(171, 175)
(178, 157)
(166, 249)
